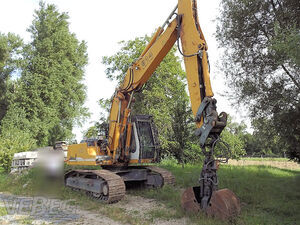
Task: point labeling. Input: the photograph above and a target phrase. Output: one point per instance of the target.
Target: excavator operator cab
(144, 139)
(103, 130)
(103, 135)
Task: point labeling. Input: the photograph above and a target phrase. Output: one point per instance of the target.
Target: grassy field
(281, 163)
(268, 195)
(265, 159)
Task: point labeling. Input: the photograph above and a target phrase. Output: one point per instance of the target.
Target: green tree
(262, 62)
(10, 59)
(235, 127)
(163, 96)
(50, 90)
(91, 132)
(12, 141)
(12, 138)
(252, 147)
(267, 138)
(233, 136)
(236, 145)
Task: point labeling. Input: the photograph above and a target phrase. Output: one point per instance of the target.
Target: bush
(13, 141)
(235, 143)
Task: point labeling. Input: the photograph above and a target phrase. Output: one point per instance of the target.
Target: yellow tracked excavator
(129, 142)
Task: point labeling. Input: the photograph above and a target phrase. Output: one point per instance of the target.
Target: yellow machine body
(84, 155)
(132, 139)
(186, 26)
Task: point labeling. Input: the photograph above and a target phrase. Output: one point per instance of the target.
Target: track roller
(102, 185)
(168, 177)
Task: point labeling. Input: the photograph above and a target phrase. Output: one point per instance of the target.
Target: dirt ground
(144, 206)
(278, 164)
(41, 210)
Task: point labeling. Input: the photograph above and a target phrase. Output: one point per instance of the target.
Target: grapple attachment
(224, 204)
(206, 198)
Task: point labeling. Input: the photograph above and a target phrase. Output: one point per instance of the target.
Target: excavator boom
(127, 134)
(184, 27)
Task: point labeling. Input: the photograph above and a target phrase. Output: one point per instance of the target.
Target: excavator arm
(182, 26)
(137, 75)
(123, 150)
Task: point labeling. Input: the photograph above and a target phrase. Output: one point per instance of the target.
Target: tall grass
(265, 159)
(268, 195)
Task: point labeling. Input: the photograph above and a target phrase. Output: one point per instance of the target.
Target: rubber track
(116, 185)
(166, 175)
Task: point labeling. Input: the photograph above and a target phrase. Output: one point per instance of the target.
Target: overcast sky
(102, 24)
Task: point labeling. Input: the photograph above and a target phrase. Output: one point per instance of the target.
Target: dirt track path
(144, 207)
(41, 210)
